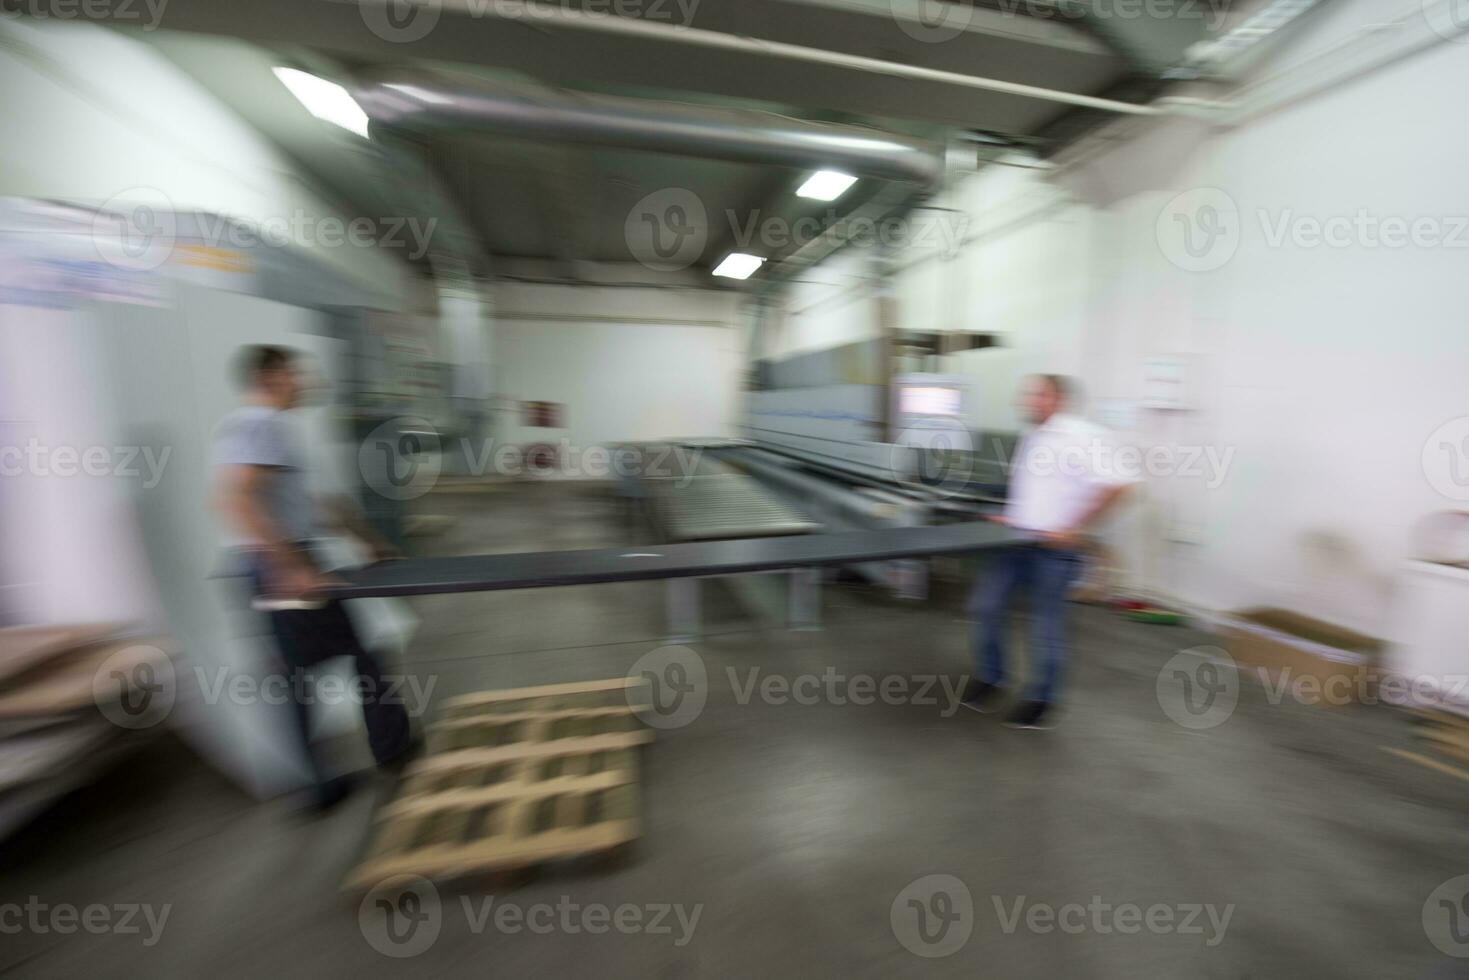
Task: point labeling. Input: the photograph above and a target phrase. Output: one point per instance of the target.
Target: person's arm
(239, 502)
(1106, 499)
(345, 514)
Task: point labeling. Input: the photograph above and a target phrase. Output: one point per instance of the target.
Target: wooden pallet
(616, 692)
(64, 684)
(484, 767)
(530, 727)
(515, 778)
(1447, 732)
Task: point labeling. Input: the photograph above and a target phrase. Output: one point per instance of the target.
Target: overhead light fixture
(826, 185)
(324, 100)
(739, 265)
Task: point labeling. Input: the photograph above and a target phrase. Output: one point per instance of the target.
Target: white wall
(90, 114)
(829, 305)
(1324, 370)
(1327, 368)
(627, 363)
(146, 386)
(111, 116)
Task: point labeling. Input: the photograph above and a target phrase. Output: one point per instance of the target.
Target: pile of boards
(513, 779)
(1446, 735)
(61, 691)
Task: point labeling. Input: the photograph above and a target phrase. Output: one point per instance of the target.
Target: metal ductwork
(409, 101)
(1231, 54)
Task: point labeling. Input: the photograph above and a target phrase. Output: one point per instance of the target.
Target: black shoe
(405, 755)
(982, 696)
(1032, 716)
(326, 795)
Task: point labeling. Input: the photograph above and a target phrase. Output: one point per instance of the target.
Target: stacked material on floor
(1444, 737)
(1342, 666)
(70, 704)
(1440, 741)
(721, 506)
(513, 779)
(690, 495)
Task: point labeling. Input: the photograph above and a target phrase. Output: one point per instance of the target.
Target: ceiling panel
(568, 203)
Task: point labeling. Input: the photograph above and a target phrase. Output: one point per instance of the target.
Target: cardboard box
(1303, 659)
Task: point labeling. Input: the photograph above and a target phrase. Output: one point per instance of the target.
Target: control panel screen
(920, 400)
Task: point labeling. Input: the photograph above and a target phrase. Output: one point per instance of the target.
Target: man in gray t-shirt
(265, 497)
(264, 491)
(262, 436)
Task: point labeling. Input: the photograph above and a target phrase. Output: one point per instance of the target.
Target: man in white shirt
(1063, 479)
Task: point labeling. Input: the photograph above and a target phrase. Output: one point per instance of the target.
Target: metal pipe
(1219, 56)
(546, 15)
(409, 100)
(1365, 50)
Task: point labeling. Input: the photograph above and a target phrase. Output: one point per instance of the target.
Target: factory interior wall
(626, 364)
(1310, 360)
(1068, 269)
(1283, 347)
(827, 305)
(149, 126)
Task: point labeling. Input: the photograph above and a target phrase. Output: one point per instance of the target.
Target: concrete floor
(796, 827)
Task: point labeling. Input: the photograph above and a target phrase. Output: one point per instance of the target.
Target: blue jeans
(1048, 574)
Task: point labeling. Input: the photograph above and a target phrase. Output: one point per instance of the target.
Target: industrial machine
(111, 338)
(837, 439)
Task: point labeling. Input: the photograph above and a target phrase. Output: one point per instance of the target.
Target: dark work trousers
(308, 637)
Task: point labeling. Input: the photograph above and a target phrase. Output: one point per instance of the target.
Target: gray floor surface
(807, 835)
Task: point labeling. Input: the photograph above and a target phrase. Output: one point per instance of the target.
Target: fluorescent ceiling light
(324, 99)
(826, 185)
(739, 265)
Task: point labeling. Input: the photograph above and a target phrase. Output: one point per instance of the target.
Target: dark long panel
(487, 573)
